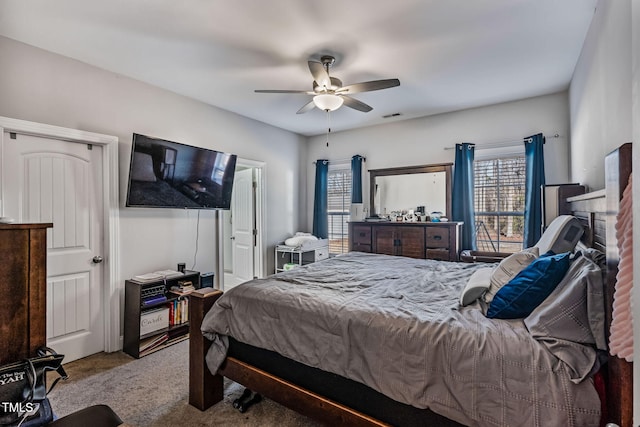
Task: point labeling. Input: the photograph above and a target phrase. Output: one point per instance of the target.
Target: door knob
(97, 259)
(233, 237)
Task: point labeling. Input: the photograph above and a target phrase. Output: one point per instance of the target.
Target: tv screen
(166, 174)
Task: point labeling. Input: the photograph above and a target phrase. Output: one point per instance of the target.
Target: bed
(366, 380)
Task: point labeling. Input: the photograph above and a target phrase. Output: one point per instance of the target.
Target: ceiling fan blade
(369, 86)
(308, 106)
(319, 74)
(283, 91)
(355, 104)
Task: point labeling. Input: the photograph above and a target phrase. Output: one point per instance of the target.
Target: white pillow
(508, 268)
(477, 284)
(561, 236)
(299, 240)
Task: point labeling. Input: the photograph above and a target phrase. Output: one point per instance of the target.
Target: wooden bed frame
(597, 211)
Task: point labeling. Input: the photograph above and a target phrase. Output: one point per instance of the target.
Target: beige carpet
(153, 391)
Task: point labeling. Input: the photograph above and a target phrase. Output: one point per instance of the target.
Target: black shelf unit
(134, 309)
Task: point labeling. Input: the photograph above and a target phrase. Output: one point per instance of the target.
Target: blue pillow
(522, 294)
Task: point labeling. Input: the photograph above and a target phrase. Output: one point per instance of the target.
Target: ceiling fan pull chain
(328, 127)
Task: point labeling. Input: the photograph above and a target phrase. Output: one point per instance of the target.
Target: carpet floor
(153, 391)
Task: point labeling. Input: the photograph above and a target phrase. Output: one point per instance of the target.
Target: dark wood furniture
(618, 168)
(206, 389)
(445, 168)
(597, 211)
(554, 200)
(134, 309)
(483, 256)
(433, 240)
(23, 286)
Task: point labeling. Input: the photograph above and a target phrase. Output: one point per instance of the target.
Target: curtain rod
(504, 143)
(343, 160)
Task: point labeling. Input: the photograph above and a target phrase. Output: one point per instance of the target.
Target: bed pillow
(571, 321)
(477, 284)
(530, 287)
(507, 270)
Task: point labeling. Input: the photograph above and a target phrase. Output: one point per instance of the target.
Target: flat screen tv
(166, 174)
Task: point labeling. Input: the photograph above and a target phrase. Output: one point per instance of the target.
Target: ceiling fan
(328, 92)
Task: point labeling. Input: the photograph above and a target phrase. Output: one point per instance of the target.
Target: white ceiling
(448, 54)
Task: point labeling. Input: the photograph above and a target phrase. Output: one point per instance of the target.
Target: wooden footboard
(205, 389)
(294, 397)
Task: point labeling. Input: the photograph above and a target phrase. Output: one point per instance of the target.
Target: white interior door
(60, 182)
(242, 229)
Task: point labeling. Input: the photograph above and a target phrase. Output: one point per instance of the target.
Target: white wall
(423, 140)
(605, 113)
(43, 87)
(600, 92)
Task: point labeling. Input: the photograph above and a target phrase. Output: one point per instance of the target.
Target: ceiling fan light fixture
(328, 102)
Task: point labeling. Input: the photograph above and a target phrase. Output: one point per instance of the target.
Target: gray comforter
(395, 324)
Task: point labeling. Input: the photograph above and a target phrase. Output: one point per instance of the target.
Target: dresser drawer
(361, 247)
(361, 235)
(437, 237)
(439, 254)
(321, 253)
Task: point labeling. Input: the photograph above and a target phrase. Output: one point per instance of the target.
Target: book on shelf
(156, 276)
(183, 287)
(179, 312)
(146, 278)
(176, 339)
(169, 274)
(153, 300)
(153, 342)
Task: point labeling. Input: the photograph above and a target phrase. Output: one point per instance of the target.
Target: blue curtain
(462, 199)
(356, 178)
(534, 180)
(320, 203)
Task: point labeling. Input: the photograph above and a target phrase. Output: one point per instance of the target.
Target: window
(499, 203)
(339, 206)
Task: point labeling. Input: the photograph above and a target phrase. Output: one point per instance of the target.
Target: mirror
(404, 188)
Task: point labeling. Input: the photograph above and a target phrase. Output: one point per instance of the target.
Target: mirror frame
(447, 168)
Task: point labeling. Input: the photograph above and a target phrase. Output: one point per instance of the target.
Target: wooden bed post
(205, 389)
(620, 372)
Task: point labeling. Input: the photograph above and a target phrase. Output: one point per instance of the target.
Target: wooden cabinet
(434, 240)
(440, 240)
(398, 240)
(23, 285)
(151, 325)
(360, 237)
(554, 200)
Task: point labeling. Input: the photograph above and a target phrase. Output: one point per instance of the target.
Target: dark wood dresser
(434, 240)
(23, 286)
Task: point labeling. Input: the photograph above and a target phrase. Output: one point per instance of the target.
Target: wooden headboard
(598, 212)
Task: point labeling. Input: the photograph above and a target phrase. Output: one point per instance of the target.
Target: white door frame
(111, 223)
(260, 251)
